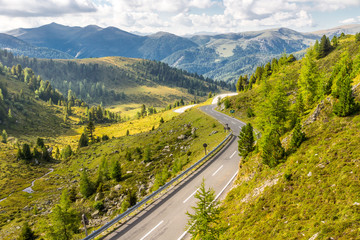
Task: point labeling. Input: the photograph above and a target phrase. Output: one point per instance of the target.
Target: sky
(181, 17)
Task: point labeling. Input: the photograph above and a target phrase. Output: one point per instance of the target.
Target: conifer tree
(309, 77)
(83, 141)
(342, 69)
(66, 152)
(274, 109)
(86, 186)
(298, 136)
(346, 104)
(206, 214)
(334, 41)
(90, 128)
(115, 171)
(246, 140)
(4, 136)
(64, 220)
(357, 37)
(324, 46)
(241, 83)
(26, 152)
(26, 233)
(272, 150)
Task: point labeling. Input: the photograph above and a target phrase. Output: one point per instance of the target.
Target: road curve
(166, 218)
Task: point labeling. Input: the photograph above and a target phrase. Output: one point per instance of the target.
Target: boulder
(181, 137)
(117, 187)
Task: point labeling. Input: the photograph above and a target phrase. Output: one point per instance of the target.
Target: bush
(99, 205)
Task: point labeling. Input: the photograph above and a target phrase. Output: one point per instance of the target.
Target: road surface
(166, 218)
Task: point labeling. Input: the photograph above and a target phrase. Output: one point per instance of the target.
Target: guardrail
(153, 194)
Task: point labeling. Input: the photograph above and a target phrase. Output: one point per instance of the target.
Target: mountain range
(221, 56)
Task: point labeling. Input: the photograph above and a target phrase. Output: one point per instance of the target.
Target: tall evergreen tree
(26, 152)
(206, 214)
(272, 150)
(241, 83)
(274, 109)
(83, 141)
(246, 140)
(334, 41)
(309, 78)
(115, 171)
(298, 136)
(26, 233)
(90, 128)
(324, 47)
(357, 37)
(342, 69)
(86, 186)
(64, 220)
(346, 104)
(4, 136)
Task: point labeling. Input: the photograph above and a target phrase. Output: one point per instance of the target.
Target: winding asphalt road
(166, 218)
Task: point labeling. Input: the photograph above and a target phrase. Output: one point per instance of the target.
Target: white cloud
(351, 20)
(176, 16)
(43, 8)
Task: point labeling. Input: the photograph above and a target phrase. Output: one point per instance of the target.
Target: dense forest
(97, 82)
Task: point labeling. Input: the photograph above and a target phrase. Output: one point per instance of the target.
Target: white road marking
(190, 196)
(233, 122)
(222, 190)
(232, 154)
(152, 230)
(183, 235)
(217, 170)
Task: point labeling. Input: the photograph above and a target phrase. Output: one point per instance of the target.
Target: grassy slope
(323, 193)
(135, 173)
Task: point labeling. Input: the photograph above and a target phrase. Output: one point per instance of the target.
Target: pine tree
(308, 80)
(272, 150)
(90, 128)
(346, 104)
(83, 141)
(40, 142)
(115, 171)
(241, 83)
(86, 186)
(65, 221)
(26, 152)
(357, 37)
(26, 233)
(334, 41)
(66, 152)
(206, 214)
(4, 136)
(298, 136)
(246, 140)
(274, 109)
(342, 69)
(324, 47)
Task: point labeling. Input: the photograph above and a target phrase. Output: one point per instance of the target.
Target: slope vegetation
(118, 80)
(311, 192)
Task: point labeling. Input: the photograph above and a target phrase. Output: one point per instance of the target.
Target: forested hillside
(117, 80)
(83, 159)
(300, 181)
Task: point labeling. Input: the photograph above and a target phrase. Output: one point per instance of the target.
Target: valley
(93, 120)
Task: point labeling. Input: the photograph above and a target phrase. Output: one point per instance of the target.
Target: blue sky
(182, 16)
